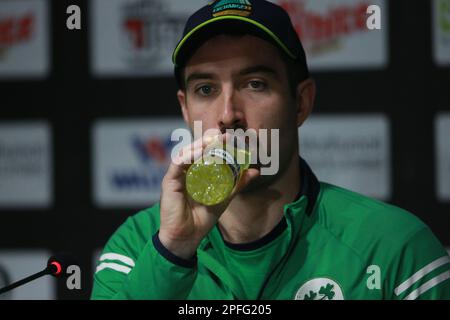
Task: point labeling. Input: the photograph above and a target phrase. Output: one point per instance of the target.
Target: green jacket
(331, 244)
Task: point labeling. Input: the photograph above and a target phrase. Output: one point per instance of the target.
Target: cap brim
(217, 25)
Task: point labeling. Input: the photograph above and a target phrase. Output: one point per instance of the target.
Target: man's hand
(184, 222)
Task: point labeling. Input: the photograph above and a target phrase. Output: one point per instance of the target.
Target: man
(240, 65)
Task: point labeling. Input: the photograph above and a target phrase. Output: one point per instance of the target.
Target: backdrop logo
(25, 165)
(15, 30)
(150, 31)
(152, 150)
(322, 32)
(153, 154)
(350, 151)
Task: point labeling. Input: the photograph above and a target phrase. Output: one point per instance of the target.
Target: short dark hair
(295, 69)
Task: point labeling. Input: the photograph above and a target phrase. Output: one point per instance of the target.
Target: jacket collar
(309, 189)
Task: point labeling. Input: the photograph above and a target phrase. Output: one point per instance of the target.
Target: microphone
(56, 266)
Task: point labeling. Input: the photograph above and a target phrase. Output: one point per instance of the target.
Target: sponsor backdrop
(335, 33)
(25, 165)
(86, 117)
(442, 134)
(441, 32)
(340, 156)
(20, 264)
(130, 159)
(24, 39)
(136, 37)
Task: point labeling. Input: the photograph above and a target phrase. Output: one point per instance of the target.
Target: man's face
(234, 82)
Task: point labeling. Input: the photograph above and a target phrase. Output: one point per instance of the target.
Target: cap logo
(232, 7)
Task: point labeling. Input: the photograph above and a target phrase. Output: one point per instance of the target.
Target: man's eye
(205, 90)
(257, 85)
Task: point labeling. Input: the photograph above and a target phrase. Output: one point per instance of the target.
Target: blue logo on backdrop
(153, 154)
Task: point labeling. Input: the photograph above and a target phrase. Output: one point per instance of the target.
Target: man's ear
(181, 95)
(305, 96)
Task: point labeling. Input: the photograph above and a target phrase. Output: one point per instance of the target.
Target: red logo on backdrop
(321, 31)
(135, 27)
(140, 21)
(157, 150)
(150, 31)
(15, 30)
(153, 149)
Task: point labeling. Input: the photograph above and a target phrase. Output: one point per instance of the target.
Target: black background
(409, 91)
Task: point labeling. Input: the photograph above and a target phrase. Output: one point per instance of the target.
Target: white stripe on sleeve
(428, 285)
(421, 273)
(115, 256)
(113, 266)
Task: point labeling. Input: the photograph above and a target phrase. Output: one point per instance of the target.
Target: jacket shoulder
(361, 222)
(135, 232)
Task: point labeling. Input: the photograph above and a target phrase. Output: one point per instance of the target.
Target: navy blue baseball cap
(260, 18)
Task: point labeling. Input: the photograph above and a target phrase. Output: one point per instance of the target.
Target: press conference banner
(335, 33)
(441, 32)
(352, 151)
(136, 37)
(25, 165)
(130, 159)
(24, 38)
(442, 140)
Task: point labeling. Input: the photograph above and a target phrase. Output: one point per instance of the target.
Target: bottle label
(229, 160)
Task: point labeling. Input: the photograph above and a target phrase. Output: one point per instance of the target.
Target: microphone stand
(44, 272)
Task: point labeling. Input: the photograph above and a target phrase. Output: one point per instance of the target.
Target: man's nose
(231, 115)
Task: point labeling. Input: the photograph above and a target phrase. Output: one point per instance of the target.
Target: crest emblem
(319, 289)
(232, 7)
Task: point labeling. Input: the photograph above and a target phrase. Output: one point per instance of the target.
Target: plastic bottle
(211, 179)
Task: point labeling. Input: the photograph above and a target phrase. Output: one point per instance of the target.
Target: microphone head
(58, 264)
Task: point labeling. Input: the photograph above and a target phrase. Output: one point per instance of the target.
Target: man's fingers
(189, 154)
(182, 161)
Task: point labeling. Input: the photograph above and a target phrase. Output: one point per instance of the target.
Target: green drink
(211, 179)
